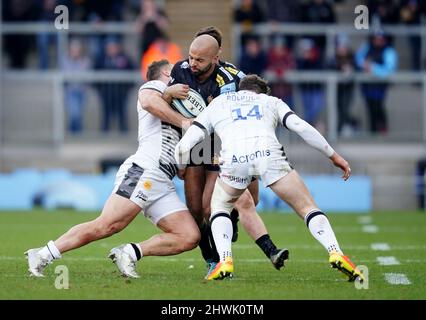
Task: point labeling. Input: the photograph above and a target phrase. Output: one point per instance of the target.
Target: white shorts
(240, 174)
(152, 191)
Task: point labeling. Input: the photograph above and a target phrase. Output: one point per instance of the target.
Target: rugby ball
(191, 106)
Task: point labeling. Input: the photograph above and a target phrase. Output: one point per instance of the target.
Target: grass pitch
(391, 244)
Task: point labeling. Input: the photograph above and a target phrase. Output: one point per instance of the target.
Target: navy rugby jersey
(225, 78)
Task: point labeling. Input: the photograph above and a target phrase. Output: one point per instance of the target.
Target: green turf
(306, 276)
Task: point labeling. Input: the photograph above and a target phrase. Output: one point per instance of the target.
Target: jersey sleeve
(176, 74)
(154, 85)
(283, 111)
(238, 74)
(204, 120)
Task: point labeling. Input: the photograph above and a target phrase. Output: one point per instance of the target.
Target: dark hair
(211, 31)
(154, 69)
(253, 82)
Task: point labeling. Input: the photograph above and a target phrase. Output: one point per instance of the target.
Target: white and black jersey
(145, 178)
(157, 139)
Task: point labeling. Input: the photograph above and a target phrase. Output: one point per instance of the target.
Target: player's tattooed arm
(152, 101)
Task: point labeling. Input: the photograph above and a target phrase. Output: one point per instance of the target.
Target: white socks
(134, 250)
(320, 228)
(50, 251)
(221, 227)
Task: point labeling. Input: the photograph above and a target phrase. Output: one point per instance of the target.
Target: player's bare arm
(178, 91)
(152, 101)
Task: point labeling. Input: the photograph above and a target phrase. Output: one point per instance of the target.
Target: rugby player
(245, 122)
(204, 72)
(143, 183)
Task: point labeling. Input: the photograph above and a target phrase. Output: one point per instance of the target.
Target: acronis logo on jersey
(230, 87)
(250, 157)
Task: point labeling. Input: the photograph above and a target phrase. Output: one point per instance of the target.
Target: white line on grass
(171, 259)
(397, 278)
(388, 261)
(370, 228)
(380, 246)
(365, 219)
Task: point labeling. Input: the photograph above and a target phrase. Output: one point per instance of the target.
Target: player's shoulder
(181, 66)
(181, 72)
(225, 80)
(232, 69)
(155, 85)
(273, 102)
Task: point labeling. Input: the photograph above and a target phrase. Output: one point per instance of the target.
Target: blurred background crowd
(376, 55)
(362, 88)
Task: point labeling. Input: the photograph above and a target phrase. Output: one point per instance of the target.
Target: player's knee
(190, 240)
(245, 202)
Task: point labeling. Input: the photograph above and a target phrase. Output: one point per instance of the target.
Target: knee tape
(221, 200)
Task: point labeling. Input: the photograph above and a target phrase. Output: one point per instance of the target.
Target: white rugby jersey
(157, 139)
(245, 122)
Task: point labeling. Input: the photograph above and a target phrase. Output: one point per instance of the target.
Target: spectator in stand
(98, 12)
(105, 10)
(17, 46)
(247, 14)
(46, 14)
(160, 49)
(382, 12)
(75, 93)
(114, 95)
(280, 13)
(280, 60)
(253, 58)
(344, 62)
(410, 14)
(152, 23)
(309, 59)
(378, 58)
(319, 11)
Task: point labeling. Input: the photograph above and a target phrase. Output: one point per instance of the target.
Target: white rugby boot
(36, 263)
(124, 262)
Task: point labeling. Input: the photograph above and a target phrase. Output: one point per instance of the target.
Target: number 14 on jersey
(246, 113)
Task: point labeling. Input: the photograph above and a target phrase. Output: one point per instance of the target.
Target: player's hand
(341, 163)
(178, 91)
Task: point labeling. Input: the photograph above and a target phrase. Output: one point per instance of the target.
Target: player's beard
(201, 72)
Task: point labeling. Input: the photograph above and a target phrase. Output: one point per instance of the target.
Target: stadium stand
(39, 139)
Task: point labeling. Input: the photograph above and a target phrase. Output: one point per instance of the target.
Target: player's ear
(216, 59)
(166, 71)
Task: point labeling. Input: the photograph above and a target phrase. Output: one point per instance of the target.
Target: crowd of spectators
(91, 52)
(283, 53)
(376, 55)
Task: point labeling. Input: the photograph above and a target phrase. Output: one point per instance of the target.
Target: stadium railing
(330, 31)
(18, 121)
(329, 79)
